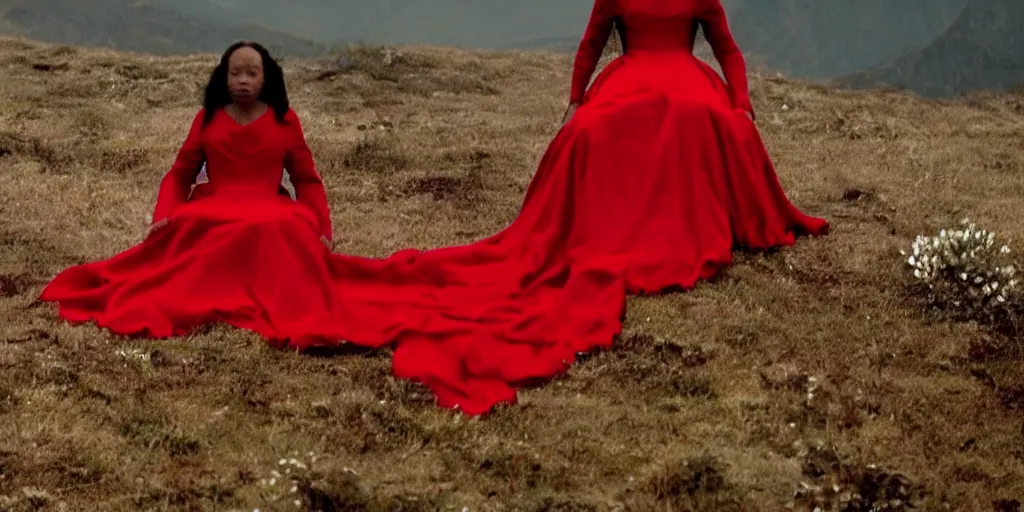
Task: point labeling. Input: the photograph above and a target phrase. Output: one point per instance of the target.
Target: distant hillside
(804, 38)
(551, 44)
(813, 39)
(474, 23)
(818, 39)
(809, 39)
(983, 49)
(134, 25)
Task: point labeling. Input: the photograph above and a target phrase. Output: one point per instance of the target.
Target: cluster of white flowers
(966, 265)
(283, 482)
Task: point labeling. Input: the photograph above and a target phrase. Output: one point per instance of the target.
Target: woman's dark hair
(274, 93)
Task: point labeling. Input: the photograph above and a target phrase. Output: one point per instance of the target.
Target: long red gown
(234, 250)
(656, 179)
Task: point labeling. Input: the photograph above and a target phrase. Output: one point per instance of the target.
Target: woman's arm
(177, 183)
(309, 186)
(716, 30)
(591, 47)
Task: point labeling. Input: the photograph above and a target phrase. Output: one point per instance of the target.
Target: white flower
(964, 264)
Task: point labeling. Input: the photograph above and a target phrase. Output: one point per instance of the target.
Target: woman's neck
(246, 113)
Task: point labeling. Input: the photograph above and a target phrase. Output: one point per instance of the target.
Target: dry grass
(791, 374)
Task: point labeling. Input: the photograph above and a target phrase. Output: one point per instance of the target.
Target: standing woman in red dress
(236, 251)
(657, 176)
(671, 170)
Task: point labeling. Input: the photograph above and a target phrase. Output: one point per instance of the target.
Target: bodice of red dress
(244, 162)
(661, 26)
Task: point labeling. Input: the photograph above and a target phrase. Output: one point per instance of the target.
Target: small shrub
(692, 484)
(836, 484)
(140, 71)
(91, 123)
(965, 268)
(119, 160)
(296, 483)
(381, 155)
(969, 274)
(379, 62)
(54, 158)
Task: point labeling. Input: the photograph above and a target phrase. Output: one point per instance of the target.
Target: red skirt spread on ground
(652, 184)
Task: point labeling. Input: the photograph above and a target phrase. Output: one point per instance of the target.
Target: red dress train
(658, 177)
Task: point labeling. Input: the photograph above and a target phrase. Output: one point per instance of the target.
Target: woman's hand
(156, 226)
(328, 243)
(569, 111)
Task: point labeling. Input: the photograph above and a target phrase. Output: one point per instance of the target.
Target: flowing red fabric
(658, 177)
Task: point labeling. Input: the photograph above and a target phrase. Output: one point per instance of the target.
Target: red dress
(658, 177)
(651, 185)
(236, 251)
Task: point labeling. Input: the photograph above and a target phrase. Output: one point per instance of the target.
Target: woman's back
(653, 25)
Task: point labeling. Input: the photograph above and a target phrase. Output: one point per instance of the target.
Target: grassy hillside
(984, 48)
(134, 25)
(795, 373)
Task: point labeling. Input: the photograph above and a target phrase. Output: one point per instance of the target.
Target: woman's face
(245, 75)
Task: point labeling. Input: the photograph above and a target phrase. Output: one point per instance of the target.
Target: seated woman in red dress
(236, 251)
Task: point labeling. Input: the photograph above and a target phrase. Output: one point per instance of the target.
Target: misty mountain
(804, 38)
(927, 44)
(472, 23)
(817, 39)
(138, 26)
(983, 49)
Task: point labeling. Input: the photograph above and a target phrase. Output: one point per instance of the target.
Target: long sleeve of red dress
(716, 29)
(602, 18)
(309, 185)
(177, 183)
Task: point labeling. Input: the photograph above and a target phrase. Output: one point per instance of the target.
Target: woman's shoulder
(200, 118)
(291, 119)
(202, 112)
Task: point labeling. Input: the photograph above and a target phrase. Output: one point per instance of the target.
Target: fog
(935, 47)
